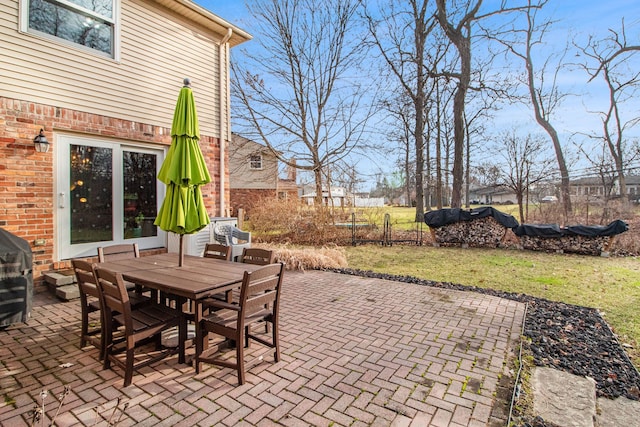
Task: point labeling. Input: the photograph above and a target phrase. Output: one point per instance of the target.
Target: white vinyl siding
(243, 174)
(142, 86)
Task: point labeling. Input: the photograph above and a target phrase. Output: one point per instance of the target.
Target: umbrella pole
(181, 252)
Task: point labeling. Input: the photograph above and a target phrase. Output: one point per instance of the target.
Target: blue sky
(576, 18)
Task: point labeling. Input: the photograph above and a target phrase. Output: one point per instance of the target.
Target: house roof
(632, 179)
(492, 189)
(594, 180)
(589, 180)
(241, 141)
(204, 17)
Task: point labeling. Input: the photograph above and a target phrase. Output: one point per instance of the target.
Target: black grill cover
(443, 217)
(16, 279)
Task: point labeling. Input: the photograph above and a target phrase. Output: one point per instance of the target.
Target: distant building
(254, 174)
(598, 188)
(493, 194)
(338, 196)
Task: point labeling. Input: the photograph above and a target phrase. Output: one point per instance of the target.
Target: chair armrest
(238, 234)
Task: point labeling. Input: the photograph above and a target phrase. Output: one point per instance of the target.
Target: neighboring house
(633, 187)
(254, 174)
(493, 194)
(595, 188)
(338, 198)
(102, 84)
(591, 188)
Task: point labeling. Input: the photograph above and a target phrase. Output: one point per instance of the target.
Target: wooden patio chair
(123, 251)
(254, 256)
(222, 252)
(258, 256)
(117, 252)
(89, 303)
(138, 325)
(217, 251)
(259, 303)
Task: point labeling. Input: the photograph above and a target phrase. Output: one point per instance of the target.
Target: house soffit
(207, 19)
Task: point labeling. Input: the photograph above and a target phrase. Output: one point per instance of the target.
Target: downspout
(224, 100)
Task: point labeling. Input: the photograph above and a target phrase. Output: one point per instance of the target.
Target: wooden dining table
(197, 279)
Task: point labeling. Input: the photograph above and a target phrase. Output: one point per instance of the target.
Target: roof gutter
(206, 18)
(225, 100)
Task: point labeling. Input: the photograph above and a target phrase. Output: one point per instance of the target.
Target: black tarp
(553, 230)
(443, 217)
(16, 279)
(540, 230)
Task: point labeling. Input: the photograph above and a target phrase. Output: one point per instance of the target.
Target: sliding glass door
(107, 193)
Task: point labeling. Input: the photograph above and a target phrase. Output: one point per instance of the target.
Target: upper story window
(88, 23)
(255, 161)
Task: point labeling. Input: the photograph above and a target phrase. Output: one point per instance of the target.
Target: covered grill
(16, 279)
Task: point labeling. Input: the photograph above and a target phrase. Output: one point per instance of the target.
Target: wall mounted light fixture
(41, 143)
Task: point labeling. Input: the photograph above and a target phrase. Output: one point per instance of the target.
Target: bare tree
(486, 174)
(400, 109)
(609, 57)
(457, 19)
(307, 106)
(440, 114)
(401, 37)
(523, 165)
(544, 96)
(460, 36)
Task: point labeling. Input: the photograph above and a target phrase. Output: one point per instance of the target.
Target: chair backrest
(217, 251)
(116, 252)
(114, 294)
(85, 278)
(261, 289)
(222, 234)
(231, 235)
(258, 256)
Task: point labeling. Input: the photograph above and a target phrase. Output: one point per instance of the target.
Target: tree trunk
(438, 151)
(460, 37)
(317, 173)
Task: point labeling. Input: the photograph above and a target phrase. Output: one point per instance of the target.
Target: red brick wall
(245, 198)
(27, 177)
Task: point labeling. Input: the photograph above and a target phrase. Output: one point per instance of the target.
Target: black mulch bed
(568, 337)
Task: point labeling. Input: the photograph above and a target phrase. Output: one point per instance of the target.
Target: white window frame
(62, 203)
(252, 161)
(115, 21)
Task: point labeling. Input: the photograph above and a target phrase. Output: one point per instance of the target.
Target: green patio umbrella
(184, 171)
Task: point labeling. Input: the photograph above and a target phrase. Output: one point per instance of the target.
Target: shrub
(295, 258)
(289, 221)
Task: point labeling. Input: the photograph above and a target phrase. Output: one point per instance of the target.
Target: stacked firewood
(587, 245)
(481, 232)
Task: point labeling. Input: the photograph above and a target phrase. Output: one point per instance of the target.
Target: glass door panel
(91, 184)
(140, 199)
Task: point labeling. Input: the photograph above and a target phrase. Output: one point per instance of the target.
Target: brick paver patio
(356, 352)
